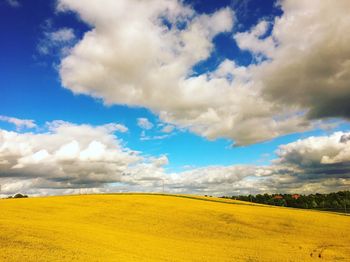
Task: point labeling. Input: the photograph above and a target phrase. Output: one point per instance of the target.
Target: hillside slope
(141, 227)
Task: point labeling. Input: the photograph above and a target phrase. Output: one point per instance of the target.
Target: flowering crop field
(146, 227)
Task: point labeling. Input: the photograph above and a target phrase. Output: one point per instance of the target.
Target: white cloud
(309, 68)
(144, 123)
(69, 158)
(19, 123)
(317, 151)
(253, 42)
(314, 164)
(133, 58)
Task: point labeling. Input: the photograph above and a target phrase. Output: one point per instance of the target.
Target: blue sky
(32, 85)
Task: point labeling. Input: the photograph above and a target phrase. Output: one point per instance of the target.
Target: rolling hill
(149, 227)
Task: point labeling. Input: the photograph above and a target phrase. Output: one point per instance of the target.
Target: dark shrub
(20, 196)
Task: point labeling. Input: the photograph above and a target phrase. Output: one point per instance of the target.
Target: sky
(207, 97)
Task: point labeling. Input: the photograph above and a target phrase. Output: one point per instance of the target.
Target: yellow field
(166, 228)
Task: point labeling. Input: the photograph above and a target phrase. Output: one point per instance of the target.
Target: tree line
(337, 202)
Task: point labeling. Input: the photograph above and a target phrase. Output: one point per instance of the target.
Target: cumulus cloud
(314, 164)
(217, 180)
(309, 68)
(19, 123)
(144, 57)
(70, 158)
(67, 156)
(147, 63)
(317, 152)
(144, 123)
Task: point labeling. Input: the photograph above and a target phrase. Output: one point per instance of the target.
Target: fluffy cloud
(144, 57)
(254, 41)
(217, 180)
(70, 158)
(134, 58)
(330, 154)
(19, 123)
(67, 156)
(314, 164)
(309, 67)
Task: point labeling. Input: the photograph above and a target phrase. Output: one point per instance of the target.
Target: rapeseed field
(145, 227)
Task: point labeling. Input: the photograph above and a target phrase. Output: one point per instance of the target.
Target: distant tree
(313, 204)
(20, 196)
(335, 204)
(339, 202)
(321, 204)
